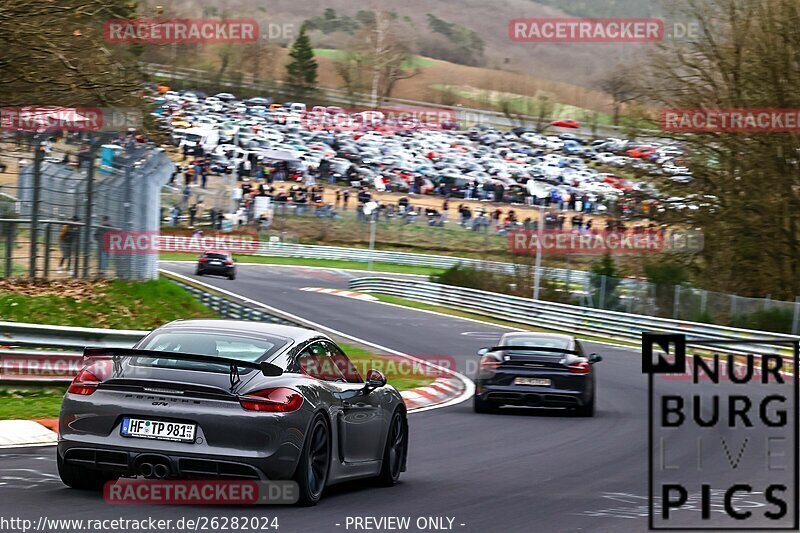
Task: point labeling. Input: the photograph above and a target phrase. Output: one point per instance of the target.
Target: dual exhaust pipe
(154, 470)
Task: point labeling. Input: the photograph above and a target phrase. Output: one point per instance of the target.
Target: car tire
(394, 453)
(483, 406)
(312, 470)
(232, 276)
(80, 478)
(199, 272)
(586, 410)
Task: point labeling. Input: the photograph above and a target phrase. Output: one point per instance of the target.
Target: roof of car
(245, 326)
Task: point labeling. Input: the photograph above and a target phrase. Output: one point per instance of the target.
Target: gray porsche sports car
(230, 399)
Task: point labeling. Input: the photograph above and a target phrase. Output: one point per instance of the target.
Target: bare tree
(745, 56)
(54, 53)
(383, 51)
(620, 84)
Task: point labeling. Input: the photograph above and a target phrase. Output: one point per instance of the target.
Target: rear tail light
(277, 400)
(228, 262)
(85, 383)
(487, 361)
(580, 368)
(202, 260)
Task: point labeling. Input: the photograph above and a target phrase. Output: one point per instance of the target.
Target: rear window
(216, 256)
(537, 342)
(229, 346)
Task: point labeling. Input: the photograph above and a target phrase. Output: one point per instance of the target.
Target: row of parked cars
(416, 157)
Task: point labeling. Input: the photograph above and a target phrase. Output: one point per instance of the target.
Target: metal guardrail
(579, 320)
(227, 308)
(64, 337)
(54, 354)
(335, 253)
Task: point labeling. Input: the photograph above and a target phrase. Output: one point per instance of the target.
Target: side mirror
(594, 358)
(375, 379)
(483, 351)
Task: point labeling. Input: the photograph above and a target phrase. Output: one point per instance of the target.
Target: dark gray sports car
(536, 370)
(230, 399)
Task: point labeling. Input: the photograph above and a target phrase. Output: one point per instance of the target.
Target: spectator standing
(325, 173)
(499, 192)
(67, 238)
(102, 250)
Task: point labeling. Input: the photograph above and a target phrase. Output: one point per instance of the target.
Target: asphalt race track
(514, 471)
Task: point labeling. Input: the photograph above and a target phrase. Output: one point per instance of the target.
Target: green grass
(365, 360)
(411, 63)
(521, 103)
(32, 402)
(116, 305)
(351, 265)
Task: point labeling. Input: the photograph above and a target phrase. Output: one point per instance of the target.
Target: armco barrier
(579, 320)
(35, 352)
(42, 353)
(336, 253)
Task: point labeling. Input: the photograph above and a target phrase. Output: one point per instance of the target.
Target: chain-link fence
(67, 199)
(644, 298)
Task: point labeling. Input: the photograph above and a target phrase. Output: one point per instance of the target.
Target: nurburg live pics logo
(723, 446)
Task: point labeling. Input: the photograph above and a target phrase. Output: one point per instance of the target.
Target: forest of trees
(747, 56)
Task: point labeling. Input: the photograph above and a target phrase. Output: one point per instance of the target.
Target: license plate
(532, 381)
(215, 262)
(157, 429)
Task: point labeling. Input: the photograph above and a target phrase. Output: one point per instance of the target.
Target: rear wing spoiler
(268, 369)
(530, 349)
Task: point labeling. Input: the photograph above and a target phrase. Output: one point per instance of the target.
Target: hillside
(576, 63)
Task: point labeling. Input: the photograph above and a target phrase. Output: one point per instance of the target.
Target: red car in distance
(565, 123)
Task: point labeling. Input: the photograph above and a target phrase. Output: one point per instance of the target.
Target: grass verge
(329, 263)
(30, 402)
(102, 304)
(396, 374)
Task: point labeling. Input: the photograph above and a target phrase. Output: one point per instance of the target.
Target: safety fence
(563, 317)
(581, 287)
(53, 354)
(55, 215)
